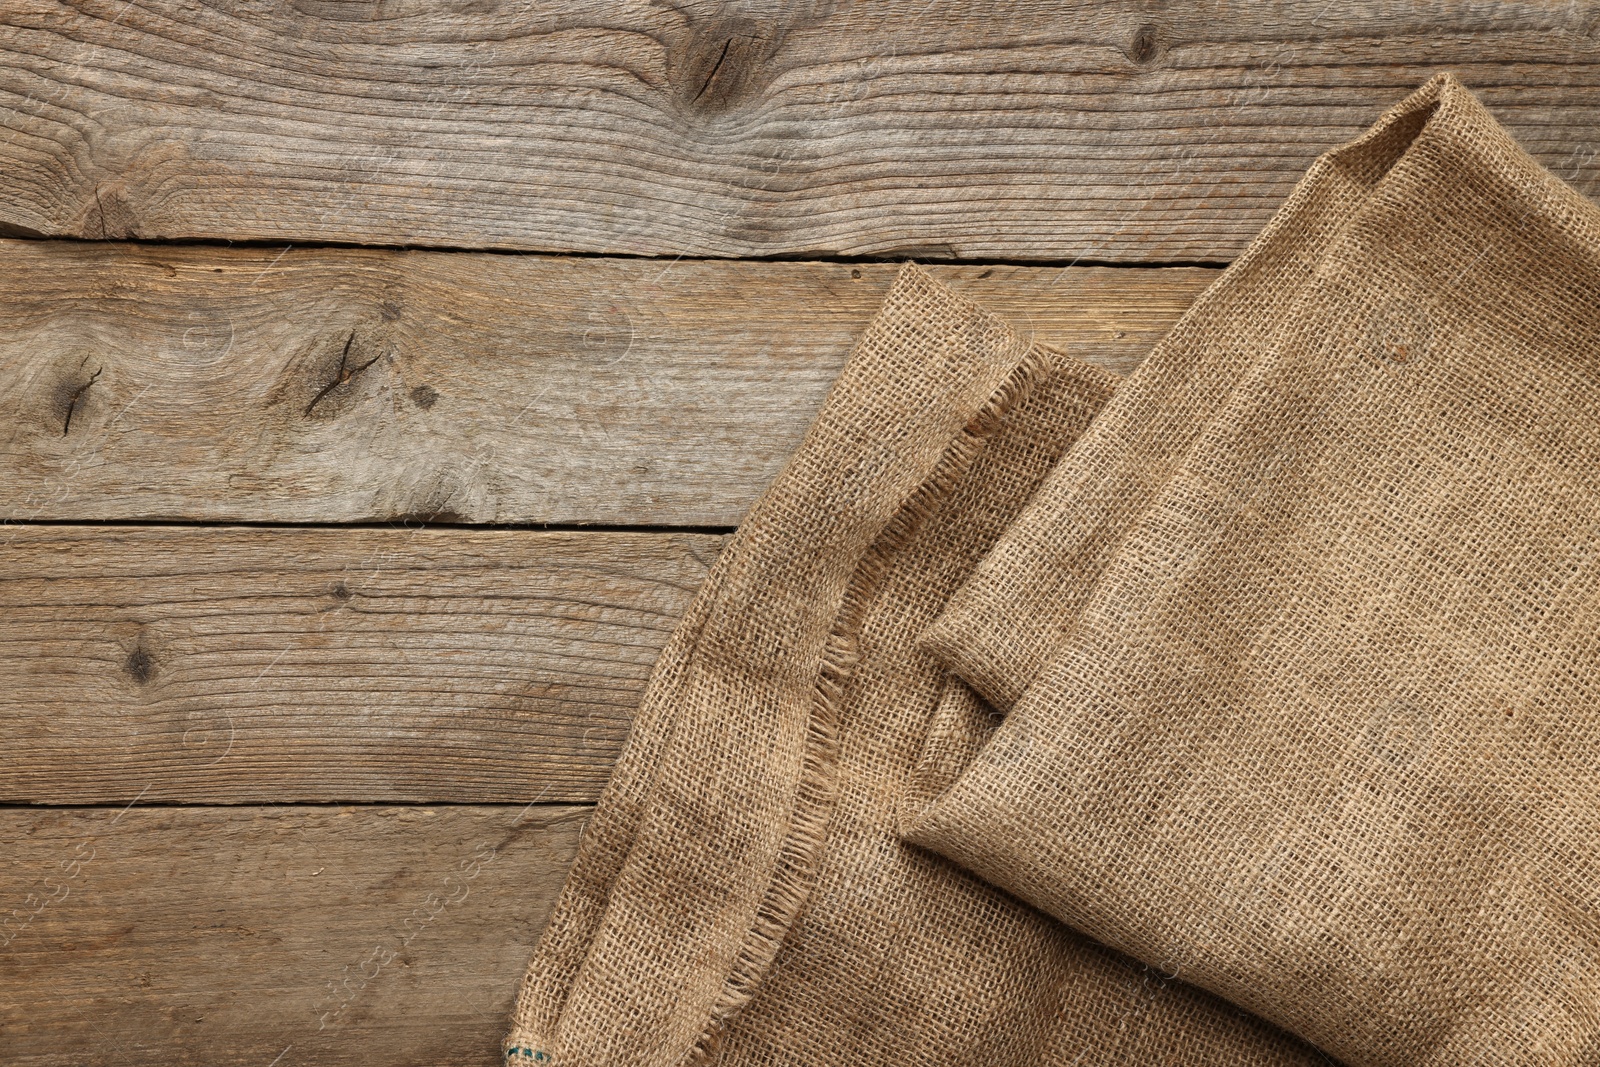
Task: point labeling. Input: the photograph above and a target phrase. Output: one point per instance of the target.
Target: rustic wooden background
(378, 379)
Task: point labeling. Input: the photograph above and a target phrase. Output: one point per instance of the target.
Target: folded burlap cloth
(1292, 641)
(1300, 644)
(740, 894)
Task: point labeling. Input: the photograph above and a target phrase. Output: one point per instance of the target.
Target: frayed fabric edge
(817, 790)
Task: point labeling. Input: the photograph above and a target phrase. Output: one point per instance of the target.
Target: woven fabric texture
(1298, 648)
(741, 895)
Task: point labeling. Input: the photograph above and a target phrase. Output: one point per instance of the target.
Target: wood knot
(333, 375)
(723, 62)
(424, 396)
(1146, 45)
(71, 394)
(108, 215)
(140, 666)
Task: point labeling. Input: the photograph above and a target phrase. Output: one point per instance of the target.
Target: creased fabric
(1298, 647)
(741, 895)
(1243, 712)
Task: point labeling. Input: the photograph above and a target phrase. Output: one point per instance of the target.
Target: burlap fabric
(1300, 643)
(741, 895)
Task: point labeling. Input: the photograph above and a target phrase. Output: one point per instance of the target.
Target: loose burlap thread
(1299, 647)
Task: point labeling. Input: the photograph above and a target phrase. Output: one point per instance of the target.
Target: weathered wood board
(265, 665)
(1024, 130)
(343, 385)
(270, 937)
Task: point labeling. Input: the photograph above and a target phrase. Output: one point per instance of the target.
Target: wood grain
(229, 665)
(1027, 130)
(346, 385)
(256, 936)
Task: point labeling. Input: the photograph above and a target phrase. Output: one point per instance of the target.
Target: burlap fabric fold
(741, 895)
(1299, 646)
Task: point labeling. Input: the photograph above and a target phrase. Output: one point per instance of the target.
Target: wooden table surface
(379, 378)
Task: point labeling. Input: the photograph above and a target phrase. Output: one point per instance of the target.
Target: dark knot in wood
(1145, 47)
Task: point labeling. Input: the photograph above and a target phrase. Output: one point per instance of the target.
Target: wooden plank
(347, 385)
(282, 936)
(1032, 131)
(236, 665)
